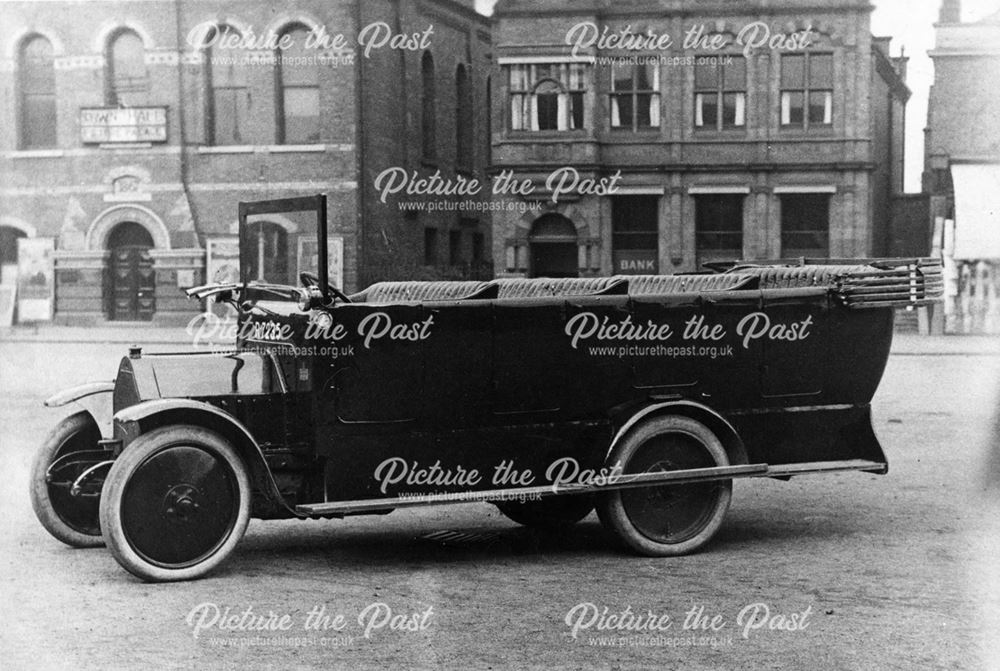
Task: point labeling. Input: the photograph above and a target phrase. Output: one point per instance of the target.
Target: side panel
(796, 435)
(432, 392)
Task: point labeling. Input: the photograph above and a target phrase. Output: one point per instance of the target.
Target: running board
(620, 482)
(788, 470)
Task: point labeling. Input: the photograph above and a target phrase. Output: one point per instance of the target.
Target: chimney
(901, 63)
(951, 11)
(882, 44)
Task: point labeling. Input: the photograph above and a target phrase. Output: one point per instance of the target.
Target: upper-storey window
(227, 93)
(127, 80)
(298, 89)
(547, 96)
(635, 96)
(720, 97)
(806, 90)
(37, 88)
(463, 118)
(428, 107)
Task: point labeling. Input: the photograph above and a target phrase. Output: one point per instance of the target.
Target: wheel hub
(182, 503)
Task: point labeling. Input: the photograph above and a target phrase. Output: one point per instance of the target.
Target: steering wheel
(310, 280)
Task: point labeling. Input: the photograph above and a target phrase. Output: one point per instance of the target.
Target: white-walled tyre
(667, 520)
(73, 519)
(175, 504)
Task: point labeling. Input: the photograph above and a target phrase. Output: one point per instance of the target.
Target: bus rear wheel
(667, 520)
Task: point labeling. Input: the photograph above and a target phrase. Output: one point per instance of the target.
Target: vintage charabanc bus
(642, 396)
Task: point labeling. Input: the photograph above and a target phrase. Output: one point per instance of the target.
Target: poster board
(7, 294)
(307, 258)
(223, 266)
(35, 279)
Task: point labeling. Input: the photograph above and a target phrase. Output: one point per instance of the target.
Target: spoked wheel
(175, 504)
(667, 520)
(554, 512)
(72, 518)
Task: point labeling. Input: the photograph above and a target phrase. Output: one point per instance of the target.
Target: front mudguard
(144, 417)
(95, 398)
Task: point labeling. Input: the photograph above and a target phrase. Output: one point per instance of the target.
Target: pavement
(903, 344)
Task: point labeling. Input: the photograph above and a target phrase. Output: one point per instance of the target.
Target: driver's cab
(284, 283)
(284, 264)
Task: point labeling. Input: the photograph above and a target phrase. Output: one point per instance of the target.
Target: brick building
(129, 132)
(795, 149)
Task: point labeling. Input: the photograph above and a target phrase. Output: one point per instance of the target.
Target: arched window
(227, 97)
(37, 88)
(463, 119)
(428, 106)
(268, 256)
(547, 96)
(489, 122)
(127, 80)
(298, 84)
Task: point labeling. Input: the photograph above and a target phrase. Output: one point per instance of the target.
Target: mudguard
(718, 424)
(135, 420)
(93, 397)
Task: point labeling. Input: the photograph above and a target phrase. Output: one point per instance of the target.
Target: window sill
(125, 145)
(812, 131)
(735, 130)
(548, 135)
(227, 149)
(262, 148)
(625, 130)
(296, 148)
(36, 153)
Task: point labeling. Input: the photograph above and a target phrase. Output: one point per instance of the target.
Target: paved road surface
(896, 571)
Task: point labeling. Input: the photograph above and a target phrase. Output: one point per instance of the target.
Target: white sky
(911, 25)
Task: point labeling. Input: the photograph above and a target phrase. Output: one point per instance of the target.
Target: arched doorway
(553, 247)
(130, 288)
(8, 253)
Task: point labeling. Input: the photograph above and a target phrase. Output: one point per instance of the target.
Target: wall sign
(109, 125)
(635, 262)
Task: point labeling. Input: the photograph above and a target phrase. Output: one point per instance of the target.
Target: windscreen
(278, 239)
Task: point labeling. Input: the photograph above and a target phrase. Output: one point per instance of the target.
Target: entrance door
(8, 254)
(132, 281)
(553, 259)
(553, 242)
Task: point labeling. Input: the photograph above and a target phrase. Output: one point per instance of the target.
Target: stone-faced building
(962, 167)
(793, 149)
(129, 132)
(962, 139)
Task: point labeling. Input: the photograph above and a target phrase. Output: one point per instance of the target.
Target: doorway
(131, 285)
(553, 247)
(8, 254)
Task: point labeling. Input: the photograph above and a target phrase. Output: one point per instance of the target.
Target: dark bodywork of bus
(412, 393)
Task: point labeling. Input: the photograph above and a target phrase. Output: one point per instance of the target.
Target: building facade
(130, 131)
(722, 130)
(962, 166)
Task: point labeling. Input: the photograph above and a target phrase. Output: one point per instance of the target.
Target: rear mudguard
(719, 425)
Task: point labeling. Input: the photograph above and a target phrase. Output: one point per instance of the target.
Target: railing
(974, 308)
